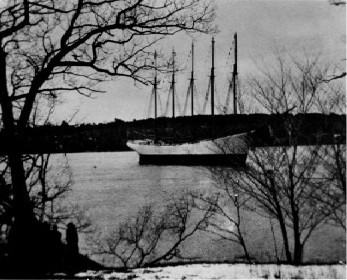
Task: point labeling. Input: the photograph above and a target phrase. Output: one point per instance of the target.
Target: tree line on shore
(269, 131)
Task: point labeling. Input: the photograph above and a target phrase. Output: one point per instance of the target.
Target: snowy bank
(225, 271)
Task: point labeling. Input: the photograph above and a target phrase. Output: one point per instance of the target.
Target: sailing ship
(231, 150)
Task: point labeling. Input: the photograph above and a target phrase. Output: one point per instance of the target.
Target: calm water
(112, 186)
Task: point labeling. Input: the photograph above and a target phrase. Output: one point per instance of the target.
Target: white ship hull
(230, 150)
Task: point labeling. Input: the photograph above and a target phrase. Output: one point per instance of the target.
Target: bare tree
(49, 47)
(297, 84)
(284, 182)
(334, 171)
(291, 184)
(49, 190)
(48, 186)
(281, 184)
(152, 237)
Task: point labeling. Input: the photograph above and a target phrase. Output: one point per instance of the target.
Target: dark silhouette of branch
(334, 78)
(152, 237)
(48, 47)
(337, 2)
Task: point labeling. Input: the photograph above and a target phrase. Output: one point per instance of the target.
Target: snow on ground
(225, 271)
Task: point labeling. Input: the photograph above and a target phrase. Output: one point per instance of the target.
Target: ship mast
(173, 83)
(235, 74)
(192, 81)
(212, 79)
(155, 86)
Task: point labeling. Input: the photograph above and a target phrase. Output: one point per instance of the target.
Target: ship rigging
(229, 150)
(192, 97)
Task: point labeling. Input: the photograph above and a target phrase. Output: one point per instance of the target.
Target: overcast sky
(262, 27)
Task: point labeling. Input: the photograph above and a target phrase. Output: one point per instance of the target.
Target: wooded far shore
(270, 130)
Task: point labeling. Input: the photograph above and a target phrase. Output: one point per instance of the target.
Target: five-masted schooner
(229, 150)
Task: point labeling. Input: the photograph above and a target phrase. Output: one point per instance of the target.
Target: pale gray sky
(262, 26)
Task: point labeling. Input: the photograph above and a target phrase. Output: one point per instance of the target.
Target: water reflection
(113, 186)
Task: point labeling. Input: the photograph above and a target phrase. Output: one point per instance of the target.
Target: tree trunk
(240, 236)
(20, 238)
(297, 242)
(296, 226)
(21, 200)
(281, 221)
(243, 244)
(285, 238)
(297, 253)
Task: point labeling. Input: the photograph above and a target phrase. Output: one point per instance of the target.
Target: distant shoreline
(313, 129)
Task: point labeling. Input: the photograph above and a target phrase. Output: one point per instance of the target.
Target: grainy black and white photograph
(172, 139)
